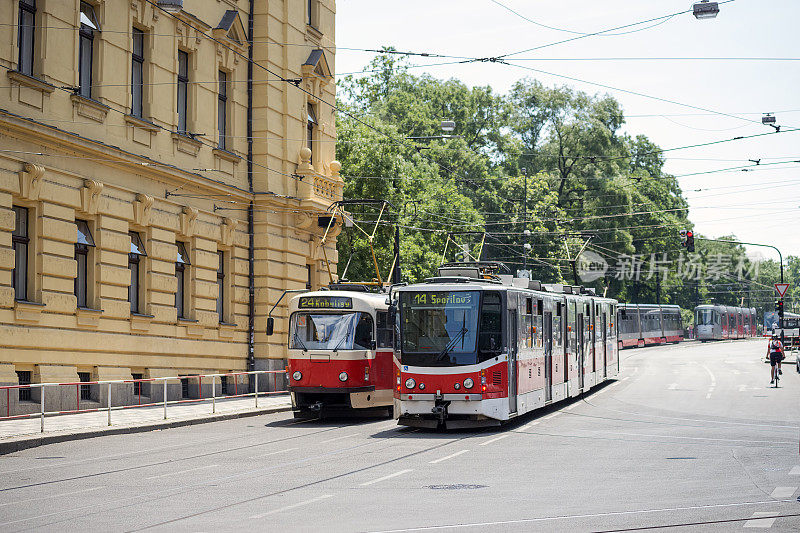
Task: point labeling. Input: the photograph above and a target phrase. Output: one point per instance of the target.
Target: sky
(759, 205)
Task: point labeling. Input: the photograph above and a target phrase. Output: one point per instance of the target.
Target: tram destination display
(325, 302)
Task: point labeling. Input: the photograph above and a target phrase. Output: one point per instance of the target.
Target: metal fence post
(256, 384)
(213, 394)
(41, 401)
(165, 399)
(109, 404)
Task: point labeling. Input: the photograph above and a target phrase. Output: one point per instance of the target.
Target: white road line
(550, 416)
(795, 471)
(713, 379)
(528, 426)
(762, 523)
(51, 496)
(672, 386)
(783, 492)
(384, 478)
(338, 438)
(288, 507)
(571, 407)
(182, 471)
(445, 458)
(271, 453)
(626, 378)
(493, 440)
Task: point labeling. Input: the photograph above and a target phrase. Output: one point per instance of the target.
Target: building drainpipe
(251, 283)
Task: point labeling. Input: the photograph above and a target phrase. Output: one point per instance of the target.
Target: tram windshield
(439, 328)
(705, 317)
(330, 331)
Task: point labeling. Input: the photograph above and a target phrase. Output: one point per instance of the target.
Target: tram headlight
(457, 386)
(297, 376)
(343, 377)
(468, 383)
(410, 383)
(421, 386)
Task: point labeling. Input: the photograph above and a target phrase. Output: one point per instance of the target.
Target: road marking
(51, 496)
(549, 416)
(182, 471)
(795, 471)
(338, 438)
(440, 459)
(713, 379)
(762, 523)
(289, 507)
(672, 386)
(271, 453)
(384, 478)
(528, 426)
(493, 440)
(571, 407)
(626, 378)
(783, 492)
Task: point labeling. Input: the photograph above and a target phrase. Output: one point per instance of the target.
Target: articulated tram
(341, 356)
(717, 322)
(647, 324)
(479, 348)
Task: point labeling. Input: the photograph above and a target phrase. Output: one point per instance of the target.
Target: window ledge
(89, 108)
(193, 327)
(139, 122)
(314, 32)
(184, 143)
(226, 155)
(226, 330)
(140, 322)
(86, 316)
(25, 311)
(29, 81)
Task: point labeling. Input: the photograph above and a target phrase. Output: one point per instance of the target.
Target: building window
(309, 278)
(85, 241)
(310, 126)
(24, 378)
(222, 109)
(183, 88)
(312, 13)
(135, 266)
(221, 286)
(86, 392)
(27, 22)
(137, 72)
(181, 263)
(21, 243)
(89, 25)
(137, 385)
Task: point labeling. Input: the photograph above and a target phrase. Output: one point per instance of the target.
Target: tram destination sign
(325, 302)
(444, 299)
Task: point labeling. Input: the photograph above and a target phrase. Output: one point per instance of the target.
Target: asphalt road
(691, 436)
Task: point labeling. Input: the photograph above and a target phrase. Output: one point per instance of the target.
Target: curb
(15, 444)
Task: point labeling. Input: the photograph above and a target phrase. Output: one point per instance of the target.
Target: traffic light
(689, 241)
(779, 307)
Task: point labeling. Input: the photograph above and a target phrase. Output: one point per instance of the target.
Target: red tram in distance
(479, 348)
(341, 357)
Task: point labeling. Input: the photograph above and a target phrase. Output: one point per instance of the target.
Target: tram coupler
(316, 408)
(440, 410)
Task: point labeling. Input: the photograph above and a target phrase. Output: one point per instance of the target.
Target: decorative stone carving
(302, 221)
(90, 196)
(141, 209)
(188, 220)
(227, 230)
(305, 159)
(335, 167)
(30, 181)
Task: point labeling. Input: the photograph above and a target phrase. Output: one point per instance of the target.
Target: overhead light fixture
(448, 125)
(170, 6)
(768, 118)
(705, 10)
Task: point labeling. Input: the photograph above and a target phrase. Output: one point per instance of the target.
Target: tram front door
(512, 361)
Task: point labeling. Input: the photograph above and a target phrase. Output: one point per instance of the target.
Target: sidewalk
(25, 433)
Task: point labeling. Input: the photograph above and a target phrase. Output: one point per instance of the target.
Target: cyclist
(775, 352)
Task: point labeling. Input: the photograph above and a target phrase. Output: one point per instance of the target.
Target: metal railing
(252, 383)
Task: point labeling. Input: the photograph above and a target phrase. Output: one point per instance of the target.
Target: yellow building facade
(158, 188)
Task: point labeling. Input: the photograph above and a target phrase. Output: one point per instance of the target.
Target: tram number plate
(325, 302)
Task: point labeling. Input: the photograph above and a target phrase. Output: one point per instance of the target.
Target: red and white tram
(477, 348)
(341, 355)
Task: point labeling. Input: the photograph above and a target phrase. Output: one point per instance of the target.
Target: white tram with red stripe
(477, 348)
(341, 356)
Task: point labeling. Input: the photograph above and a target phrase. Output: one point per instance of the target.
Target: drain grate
(459, 486)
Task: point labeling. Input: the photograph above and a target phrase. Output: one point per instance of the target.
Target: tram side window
(384, 331)
(490, 339)
(557, 335)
